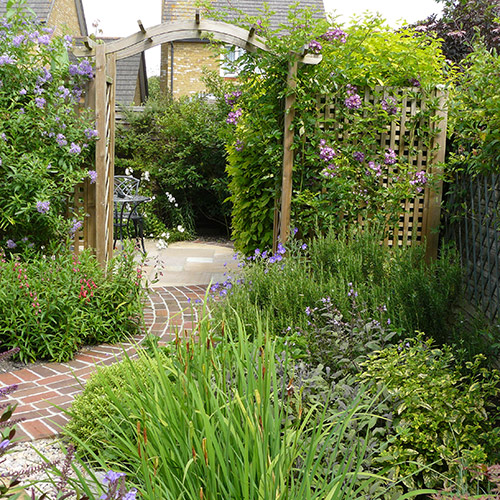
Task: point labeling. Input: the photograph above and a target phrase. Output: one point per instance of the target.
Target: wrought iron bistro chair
(128, 210)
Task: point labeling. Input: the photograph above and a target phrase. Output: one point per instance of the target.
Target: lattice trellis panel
(475, 226)
(419, 216)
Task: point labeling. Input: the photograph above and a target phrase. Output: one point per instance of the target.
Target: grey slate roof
(127, 72)
(43, 9)
(176, 10)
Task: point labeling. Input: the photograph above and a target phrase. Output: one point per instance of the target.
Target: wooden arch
(101, 97)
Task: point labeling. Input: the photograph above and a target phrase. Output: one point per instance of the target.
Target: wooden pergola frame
(101, 97)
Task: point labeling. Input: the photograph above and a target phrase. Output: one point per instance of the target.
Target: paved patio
(187, 269)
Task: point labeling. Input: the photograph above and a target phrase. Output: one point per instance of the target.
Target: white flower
(145, 175)
(129, 171)
(167, 236)
(161, 244)
(180, 229)
(176, 205)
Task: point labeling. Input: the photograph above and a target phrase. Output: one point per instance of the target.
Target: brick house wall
(189, 60)
(64, 18)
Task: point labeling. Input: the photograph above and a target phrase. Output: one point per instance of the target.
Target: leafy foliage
(50, 306)
(444, 418)
(44, 141)
(174, 145)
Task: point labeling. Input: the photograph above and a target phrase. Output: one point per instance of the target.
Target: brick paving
(45, 390)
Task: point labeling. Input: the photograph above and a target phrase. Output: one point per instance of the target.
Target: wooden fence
(473, 222)
(419, 139)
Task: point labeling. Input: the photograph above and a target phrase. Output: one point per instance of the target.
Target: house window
(229, 66)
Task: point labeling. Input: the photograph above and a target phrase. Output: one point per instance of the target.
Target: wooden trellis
(98, 233)
(420, 216)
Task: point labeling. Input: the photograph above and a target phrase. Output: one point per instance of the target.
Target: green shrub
(213, 419)
(50, 306)
(357, 275)
(445, 417)
(176, 148)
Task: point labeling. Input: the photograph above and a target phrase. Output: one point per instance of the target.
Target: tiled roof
(127, 72)
(43, 8)
(177, 10)
(40, 7)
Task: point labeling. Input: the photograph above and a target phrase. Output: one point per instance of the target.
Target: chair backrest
(126, 185)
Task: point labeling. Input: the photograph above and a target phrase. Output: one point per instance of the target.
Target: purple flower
(377, 169)
(77, 224)
(44, 40)
(75, 149)
(63, 91)
(23, 92)
(419, 180)
(281, 249)
(18, 40)
(233, 116)
(326, 153)
(390, 157)
(40, 102)
(389, 105)
(414, 82)
(304, 246)
(3, 445)
(68, 39)
(43, 206)
(3, 136)
(5, 59)
(61, 140)
(329, 172)
(308, 310)
(238, 145)
(90, 132)
(359, 156)
(93, 176)
(232, 97)
(11, 244)
(315, 47)
(353, 101)
(335, 34)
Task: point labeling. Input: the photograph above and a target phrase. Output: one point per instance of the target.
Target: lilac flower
(18, 40)
(90, 132)
(351, 89)
(68, 39)
(335, 34)
(419, 180)
(359, 156)
(238, 145)
(61, 140)
(326, 153)
(11, 244)
(77, 224)
(5, 59)
(414, 82)
(304, 246)
(315, 47)
(308, 310)
(63, 91)
(75, 149)
(390, 157)
(389, 105)
(233, 116)
(4, 445)
(40, 102)
(93, 176)
(351, 292)
(43, 206)
(44, 40)
(329, 172)
(353, 101)
(23, 92)
(232, 97)
(281, 249)
(377, 169)
(3, 136)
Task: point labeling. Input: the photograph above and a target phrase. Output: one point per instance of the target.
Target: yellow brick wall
(64, 18)
(189, 60)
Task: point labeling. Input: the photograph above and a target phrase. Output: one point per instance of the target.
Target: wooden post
(286, 186)
(110, 161)
(89, 225)
(434, 193)
(100, 152)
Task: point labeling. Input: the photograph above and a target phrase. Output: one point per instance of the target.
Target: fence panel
(473, 223)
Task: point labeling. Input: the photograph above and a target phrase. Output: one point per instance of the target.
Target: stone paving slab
(46, 388)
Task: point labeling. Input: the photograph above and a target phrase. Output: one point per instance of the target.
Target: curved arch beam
(185, 30)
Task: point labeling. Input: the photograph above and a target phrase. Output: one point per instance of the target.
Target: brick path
(170, 310)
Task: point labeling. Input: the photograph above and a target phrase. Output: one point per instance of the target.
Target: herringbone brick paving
(45, 389)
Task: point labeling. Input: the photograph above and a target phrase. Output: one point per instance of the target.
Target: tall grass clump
(215, 419)
(357, 275)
